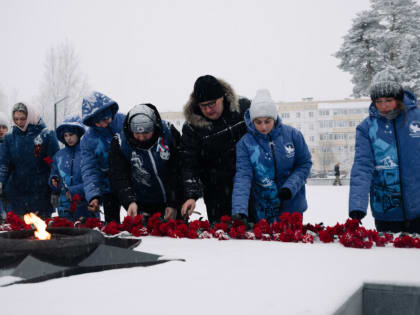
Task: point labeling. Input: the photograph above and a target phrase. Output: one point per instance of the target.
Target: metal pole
(55, 110)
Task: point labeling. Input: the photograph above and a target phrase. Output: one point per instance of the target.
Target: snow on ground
(228, 277)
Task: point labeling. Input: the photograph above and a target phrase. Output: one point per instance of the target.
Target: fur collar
(193, 114)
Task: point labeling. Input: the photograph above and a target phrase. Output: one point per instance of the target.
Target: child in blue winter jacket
(25, 158)
(272, 161)
(66, 177)
(386, 162)
(4, 127)
(100, 114)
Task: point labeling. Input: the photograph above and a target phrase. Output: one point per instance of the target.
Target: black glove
(285, 194)
(357, 214)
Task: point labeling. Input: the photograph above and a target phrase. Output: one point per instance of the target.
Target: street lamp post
(55, 110)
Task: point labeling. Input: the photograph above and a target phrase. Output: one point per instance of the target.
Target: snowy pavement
(228, 277)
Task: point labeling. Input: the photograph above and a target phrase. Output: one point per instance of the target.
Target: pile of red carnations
(289, 228)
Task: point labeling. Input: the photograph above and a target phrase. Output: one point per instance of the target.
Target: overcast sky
(153, 51)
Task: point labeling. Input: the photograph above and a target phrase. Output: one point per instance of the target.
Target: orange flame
(41, 227)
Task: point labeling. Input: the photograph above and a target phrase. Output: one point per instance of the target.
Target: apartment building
(329, 128)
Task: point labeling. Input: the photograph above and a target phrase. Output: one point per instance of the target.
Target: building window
(297, 114)
(311, 114)
(285, 115)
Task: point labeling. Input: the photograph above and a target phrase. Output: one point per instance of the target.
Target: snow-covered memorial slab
(246, 276)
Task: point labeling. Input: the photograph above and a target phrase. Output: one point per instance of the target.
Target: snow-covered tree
(64, 81)
(386, 35)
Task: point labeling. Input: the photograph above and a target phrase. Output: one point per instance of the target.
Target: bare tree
(64, 81)
(326, 156)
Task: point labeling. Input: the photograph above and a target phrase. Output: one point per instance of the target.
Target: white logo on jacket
(140, 174)
(38, 140)
(290, 150)
(165, 155)
(414, 129)
(386, 164)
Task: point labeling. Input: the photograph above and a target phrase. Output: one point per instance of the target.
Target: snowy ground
(228, 277)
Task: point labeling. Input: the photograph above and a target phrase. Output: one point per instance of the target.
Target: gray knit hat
(143, 119)
(20, 107)
(386, 83)
(263, 106)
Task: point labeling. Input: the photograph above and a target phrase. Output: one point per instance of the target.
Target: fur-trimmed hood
(192, 112)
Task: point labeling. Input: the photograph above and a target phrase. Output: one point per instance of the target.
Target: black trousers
(409, 226)
(112, 207)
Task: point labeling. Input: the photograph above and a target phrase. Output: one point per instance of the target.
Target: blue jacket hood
(71, 121)
(95, 103)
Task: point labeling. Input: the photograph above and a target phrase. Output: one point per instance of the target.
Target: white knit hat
(4, 121)
(263, 106)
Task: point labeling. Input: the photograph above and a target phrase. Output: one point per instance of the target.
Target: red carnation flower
(381, 241)
(277, 227)
(226, 219)
(92, 223)
(232, 233)
(346, 239)
(163, 228)
(339, 229)
(404, 241)
(194, 225)
(308, 238)
(325, 237)
(205, 234)
(205, 225)
(221, 235)
(266, 237)
(284, 217)
(138, 221)
(127, 224)
(368, 244)
(192, 234)
(250, 236)
(257, 232)
(221, 226)
(48, 160)
(357, 243)
(241, 231)
(389, 237)
(296, 220)
(264, 226)
(352, 224)
(111, 228)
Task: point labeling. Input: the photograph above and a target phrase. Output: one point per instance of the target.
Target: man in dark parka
(214, 124)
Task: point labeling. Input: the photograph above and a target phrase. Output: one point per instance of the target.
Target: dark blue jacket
(387, 164)
(255, 169)
(147, 173)
(4, 206)
(24, 160)
(96, 143)
(66, 168)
